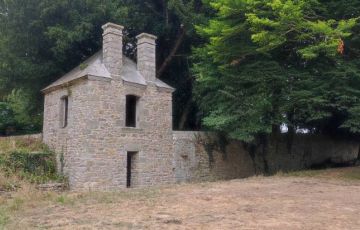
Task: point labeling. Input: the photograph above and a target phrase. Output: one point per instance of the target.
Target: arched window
(131, 110)
(64, 111)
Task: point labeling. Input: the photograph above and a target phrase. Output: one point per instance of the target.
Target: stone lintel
(132, 148)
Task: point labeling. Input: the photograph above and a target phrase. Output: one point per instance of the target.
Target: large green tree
(272, 62)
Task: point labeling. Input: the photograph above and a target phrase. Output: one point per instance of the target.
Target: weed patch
(28, 160)
(65, 200)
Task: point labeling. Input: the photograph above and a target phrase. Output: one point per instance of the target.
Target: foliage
(266, 63)
(275, 23)
(6, 117)
(29, 160)
(15, 114)
(35, 167)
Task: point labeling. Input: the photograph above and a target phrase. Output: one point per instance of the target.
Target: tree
(14, 114)
(266, 63)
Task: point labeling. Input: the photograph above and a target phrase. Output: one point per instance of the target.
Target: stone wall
(200, 156)
(302, 151)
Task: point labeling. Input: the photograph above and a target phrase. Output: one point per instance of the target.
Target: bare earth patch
(255, 203)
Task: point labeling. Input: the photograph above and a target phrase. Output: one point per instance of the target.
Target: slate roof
(95, 67)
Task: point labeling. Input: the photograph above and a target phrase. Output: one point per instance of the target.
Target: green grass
(346, 173)
(353, 174)
(8, 207)
(63, 199)
(307, 173)
(4, 217)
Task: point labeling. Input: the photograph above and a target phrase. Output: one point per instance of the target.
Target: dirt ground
(279, 202)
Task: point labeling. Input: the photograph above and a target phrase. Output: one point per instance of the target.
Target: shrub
(27, 159)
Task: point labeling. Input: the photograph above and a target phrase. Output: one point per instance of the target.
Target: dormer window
(64, 111)
(131, 110)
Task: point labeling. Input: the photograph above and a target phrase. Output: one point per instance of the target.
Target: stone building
(110, 122)
(110, 119)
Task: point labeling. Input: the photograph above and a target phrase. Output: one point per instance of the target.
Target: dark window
(129, 166)
(64, 111)
(131, 104)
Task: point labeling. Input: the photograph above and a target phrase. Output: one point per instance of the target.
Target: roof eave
(166, 89)
(74, 81)
(63, 85)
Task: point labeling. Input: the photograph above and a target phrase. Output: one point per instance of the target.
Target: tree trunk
(264, 142)
(184, 115)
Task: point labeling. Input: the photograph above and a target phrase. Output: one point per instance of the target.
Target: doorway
(129, 168)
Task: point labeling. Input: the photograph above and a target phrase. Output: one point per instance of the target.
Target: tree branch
(169, 58)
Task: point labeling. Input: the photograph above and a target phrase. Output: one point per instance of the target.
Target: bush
(37, 167)
(6, 118)
(28, 159)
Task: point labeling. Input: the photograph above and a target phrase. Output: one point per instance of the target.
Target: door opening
(129, 166)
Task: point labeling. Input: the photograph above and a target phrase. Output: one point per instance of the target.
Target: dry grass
(16, 191)
(8, 145)
(25, 195)
(304, 200)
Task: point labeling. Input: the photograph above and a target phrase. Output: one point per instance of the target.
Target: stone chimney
(146, 57)
(112, 47)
